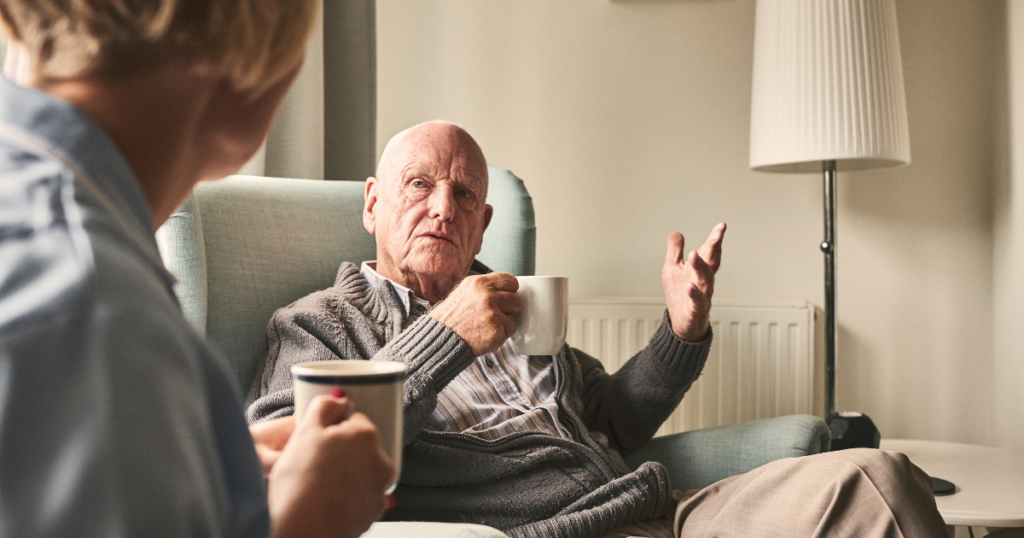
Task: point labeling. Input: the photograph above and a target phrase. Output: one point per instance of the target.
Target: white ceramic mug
(373, 388)
(544, 319)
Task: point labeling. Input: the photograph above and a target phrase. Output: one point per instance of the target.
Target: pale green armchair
(245, 246)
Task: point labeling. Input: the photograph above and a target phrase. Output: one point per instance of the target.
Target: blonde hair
(254, 43)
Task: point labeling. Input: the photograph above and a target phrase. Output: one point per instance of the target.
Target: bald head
(453, 141)
(427, 207)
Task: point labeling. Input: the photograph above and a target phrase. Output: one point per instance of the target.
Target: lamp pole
(828, 247)
(850, 429)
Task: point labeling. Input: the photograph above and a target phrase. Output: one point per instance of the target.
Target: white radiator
(761, 363)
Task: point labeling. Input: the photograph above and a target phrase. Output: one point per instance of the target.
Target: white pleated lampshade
(828, 85)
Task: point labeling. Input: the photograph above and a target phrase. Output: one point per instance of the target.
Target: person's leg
(848, 493)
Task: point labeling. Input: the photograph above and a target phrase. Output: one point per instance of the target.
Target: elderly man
(532, 444)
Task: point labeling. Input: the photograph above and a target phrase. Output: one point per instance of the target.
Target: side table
(989, 481)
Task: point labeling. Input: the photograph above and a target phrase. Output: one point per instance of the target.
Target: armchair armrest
(415, 529)
(699, 458)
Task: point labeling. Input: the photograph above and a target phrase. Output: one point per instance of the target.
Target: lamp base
(853, 430)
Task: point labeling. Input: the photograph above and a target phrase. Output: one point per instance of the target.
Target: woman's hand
(270, 438)
(329, 478)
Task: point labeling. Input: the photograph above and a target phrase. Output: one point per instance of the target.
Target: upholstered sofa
(244, 246)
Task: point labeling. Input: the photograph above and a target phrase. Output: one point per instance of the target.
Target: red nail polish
(338, 393)
(391, 502)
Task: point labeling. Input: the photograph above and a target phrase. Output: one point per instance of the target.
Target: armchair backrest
(244, 246)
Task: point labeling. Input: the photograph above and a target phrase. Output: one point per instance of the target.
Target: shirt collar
(408, 298)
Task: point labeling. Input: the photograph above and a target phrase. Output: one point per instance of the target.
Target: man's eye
(419, 184)
(464, 193)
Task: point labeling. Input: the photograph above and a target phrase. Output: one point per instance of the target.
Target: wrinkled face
(427, 205)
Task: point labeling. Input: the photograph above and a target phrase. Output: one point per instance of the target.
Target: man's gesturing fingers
(711, 250)
(689, 286)
(674, 249)
(700, 274)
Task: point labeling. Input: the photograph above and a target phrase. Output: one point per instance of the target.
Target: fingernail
(338, 393)
(391, 502)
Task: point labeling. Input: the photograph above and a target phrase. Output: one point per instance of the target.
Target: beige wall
(1008, 390)
(629, 119)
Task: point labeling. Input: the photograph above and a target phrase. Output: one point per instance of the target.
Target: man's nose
(442, 203)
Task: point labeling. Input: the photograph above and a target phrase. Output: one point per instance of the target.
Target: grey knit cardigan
(527, 483)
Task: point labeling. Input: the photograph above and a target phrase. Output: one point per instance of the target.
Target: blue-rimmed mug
(372, 387)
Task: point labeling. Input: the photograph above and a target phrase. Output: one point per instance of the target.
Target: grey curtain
(326, 128)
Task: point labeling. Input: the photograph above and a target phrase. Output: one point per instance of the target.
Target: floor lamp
(828, 96)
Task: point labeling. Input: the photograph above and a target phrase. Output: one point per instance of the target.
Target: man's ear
(369, 204)
(488, 213)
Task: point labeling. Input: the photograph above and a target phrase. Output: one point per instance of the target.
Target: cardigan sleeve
(630, 405)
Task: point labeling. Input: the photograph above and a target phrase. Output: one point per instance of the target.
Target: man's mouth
(439, 237)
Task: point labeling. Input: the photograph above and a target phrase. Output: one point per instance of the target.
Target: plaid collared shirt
(498, 394)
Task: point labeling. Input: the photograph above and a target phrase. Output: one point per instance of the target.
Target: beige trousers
(860, 493)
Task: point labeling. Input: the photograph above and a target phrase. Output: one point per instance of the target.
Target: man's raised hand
(480, 310)
(689, 283)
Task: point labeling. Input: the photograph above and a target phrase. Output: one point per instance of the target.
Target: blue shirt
(115, 418)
